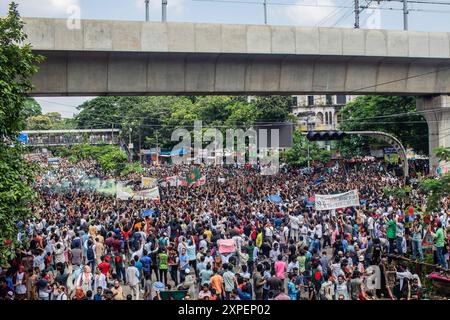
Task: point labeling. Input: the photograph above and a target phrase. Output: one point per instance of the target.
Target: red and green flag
(248, 188)
(193, 176)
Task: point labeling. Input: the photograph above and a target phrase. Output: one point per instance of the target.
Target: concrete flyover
(153, 58)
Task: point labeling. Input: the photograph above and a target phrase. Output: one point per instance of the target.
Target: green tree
(17, 65)
(114, 161)
(101, 112)
(273, 108)
(111, 158)
(31, 108)
(393, 114)
(403, 194)
(437, 188)
(298, 154)
(152, 119)
(64, 124)
(39, 123)
(55, 117)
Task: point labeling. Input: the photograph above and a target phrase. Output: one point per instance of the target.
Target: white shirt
(100, 281)
(294, 222)
(370, 223)
(132, 275)
(319, 231)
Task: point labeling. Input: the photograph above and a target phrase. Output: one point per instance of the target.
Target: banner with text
(149, 182)
(335, 201)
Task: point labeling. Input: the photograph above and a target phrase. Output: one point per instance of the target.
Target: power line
(343, 18)
(330, 15)
(356, 8)
(273, 3)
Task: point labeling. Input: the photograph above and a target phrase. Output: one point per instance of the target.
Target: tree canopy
(48, 121)
(392, 114)
(298, 154)
(152, 119)
(31, 108)
(17, 65)
(437, 188)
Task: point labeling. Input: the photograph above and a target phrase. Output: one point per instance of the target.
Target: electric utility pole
(164, 11)
(147, 10)
(405, 14)
(265, 11)
(357, 12)
(130, 145)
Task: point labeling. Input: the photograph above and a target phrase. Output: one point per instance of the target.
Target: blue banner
(23, 137)
(274, 198)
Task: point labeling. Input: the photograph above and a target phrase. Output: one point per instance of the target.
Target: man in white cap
(189, 283)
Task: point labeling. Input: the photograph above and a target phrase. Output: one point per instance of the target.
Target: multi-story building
(322, 112)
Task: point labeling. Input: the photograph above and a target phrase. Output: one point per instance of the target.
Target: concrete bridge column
(436, 111)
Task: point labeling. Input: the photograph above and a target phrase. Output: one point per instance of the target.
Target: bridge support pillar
(436, 111)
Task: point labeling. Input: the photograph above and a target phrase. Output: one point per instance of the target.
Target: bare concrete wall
(135, 36)
(69, 73)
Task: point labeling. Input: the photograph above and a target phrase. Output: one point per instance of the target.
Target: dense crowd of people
(225, 239)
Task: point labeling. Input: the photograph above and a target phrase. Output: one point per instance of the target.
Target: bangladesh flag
(162, 179)
(248, 188)
(193, 176)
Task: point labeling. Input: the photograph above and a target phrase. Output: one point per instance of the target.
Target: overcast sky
(324, 13)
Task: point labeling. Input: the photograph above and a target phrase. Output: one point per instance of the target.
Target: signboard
(53, 160)
(148, 182)
(390, 150)
(335, 201)
(150, 151)
(285, 134)
(391, 158)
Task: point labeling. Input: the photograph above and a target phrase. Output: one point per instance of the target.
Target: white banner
(335, 201)
(125, 193)
(151, 194)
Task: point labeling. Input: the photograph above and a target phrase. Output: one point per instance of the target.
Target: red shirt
(116, 245)
(126, 234)
(104, 267)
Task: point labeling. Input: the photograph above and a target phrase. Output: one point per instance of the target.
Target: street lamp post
(308, 128)
(306, 116)
(130, 145)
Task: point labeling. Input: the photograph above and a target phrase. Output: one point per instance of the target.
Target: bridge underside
(94, 73)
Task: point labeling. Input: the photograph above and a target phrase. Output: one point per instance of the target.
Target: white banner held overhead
(149, 194)
(335, 201)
